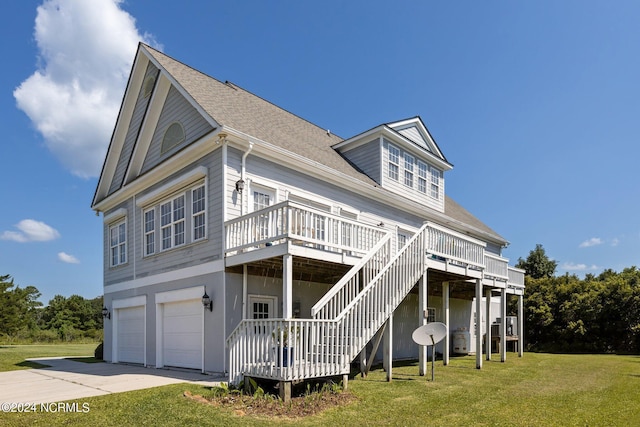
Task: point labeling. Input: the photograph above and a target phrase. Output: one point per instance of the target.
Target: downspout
(243, 172)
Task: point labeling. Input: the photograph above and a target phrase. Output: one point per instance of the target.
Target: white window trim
(117, 224)
(409, 161)
(146, 233)
(203, 212)
(173, 222)
(272, 298)
(390, 162)
(186, 192)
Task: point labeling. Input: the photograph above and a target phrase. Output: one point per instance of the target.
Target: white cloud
(594, 241)
(86, 49)
(31, 231)
(615, 242)
(570, 266)
(69, 259)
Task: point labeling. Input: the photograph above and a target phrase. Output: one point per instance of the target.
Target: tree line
(24, 319)
(597, 314)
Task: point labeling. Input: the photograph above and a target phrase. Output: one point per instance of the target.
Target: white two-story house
(240, 238)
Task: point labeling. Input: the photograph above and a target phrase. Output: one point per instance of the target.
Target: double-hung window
(394, 162)
(118, 243)
(198, 213)
(435, 183)
(172, 223)
(422, 176)
(408, 170)
(150, 231)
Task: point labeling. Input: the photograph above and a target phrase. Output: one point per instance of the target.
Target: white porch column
(478, 323)
(422, 312)
(445, 312)
(487, 341)
(388, 348)
(245, 296)
(520, 325)
(287, 286)
(503, 325)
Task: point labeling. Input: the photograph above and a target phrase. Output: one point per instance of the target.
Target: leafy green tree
(538, 265)
(18, 306)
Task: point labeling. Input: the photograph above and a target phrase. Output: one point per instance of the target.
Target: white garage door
(130, 334)
(182, 334)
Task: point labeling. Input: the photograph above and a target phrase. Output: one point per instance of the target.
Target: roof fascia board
(373, 192)
(425, 132)
(356, 141)
(200, 148)
(121, 128)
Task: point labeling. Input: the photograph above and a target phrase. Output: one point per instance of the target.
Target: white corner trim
(129, 302)
(115, 215)
(195, 292)
(173, 185)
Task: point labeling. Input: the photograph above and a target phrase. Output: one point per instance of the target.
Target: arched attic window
(173, 136)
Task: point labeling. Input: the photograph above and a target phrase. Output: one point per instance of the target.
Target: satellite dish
(430, 334)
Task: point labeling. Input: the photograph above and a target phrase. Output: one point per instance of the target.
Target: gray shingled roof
(232, 106)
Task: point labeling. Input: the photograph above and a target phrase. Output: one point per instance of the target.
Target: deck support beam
(388, 348)
(487, 340)
(287, 286)
(285, 391)
(520, 325)
(479, 323)
(422, 312)
(447, 338)
(503, 325)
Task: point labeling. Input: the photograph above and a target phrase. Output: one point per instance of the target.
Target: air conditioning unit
(511, 325)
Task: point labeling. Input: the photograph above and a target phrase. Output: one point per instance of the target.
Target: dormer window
(408, 170)
(423, 171)
(394, 162)
(435, 183)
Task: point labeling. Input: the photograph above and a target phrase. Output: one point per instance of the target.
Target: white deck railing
(301, 225)
(454, 246)
(516, 277)
(496, 267)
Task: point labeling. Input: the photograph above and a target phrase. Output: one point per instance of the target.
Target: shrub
(98, 353)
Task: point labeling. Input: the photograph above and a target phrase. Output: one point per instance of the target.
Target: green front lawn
(13, 357)
(536, 390)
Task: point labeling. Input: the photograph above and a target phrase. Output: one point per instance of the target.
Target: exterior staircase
(348, 316)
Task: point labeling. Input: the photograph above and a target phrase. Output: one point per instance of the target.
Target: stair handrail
(339, 286)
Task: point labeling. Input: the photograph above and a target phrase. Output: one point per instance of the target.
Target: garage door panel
(182, 334)
(130, 334)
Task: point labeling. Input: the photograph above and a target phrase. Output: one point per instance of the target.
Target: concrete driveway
(67, 379)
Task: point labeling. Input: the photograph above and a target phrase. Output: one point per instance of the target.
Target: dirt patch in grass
(270, 406)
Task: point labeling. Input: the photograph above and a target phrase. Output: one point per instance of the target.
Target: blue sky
(536, 104)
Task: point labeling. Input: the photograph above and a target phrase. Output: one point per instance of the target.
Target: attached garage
(179, 333)
(182, 334)
(129, 336)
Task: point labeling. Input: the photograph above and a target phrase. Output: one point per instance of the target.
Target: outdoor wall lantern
(105, 313)
(240, 185)
(207, 302)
